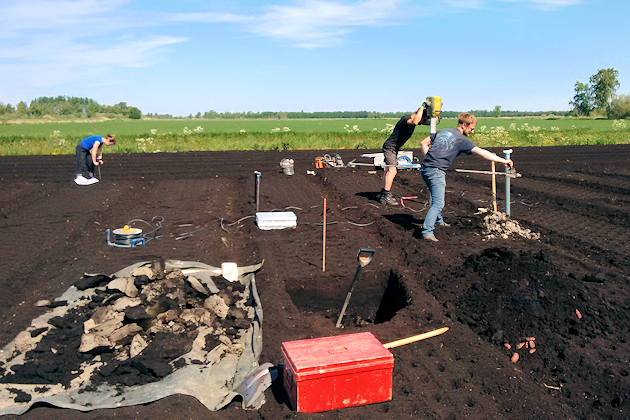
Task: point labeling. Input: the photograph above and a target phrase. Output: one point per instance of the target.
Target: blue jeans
(436, 181)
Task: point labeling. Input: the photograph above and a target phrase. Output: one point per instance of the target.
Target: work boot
(388, 199)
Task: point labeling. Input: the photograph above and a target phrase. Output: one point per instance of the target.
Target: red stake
(324, 240)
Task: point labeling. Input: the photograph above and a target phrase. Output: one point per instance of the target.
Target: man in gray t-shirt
(440, 149)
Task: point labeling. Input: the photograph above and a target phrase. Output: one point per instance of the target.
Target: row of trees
(498, 112)
(295, 115)
(352, 114)
(598, 96)
(70, 106)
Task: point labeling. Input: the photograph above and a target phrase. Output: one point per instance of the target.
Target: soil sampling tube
(257, 189)
(494, 188)
(507, 184)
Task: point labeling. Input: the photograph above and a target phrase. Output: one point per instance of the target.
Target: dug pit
(376, 298)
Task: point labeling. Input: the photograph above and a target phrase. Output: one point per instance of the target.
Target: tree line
(69, 106)
(598, 97)
(349, 114)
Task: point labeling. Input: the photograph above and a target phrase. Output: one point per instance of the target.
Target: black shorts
(390, 156)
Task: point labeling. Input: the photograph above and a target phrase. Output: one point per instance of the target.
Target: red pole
(324, 240)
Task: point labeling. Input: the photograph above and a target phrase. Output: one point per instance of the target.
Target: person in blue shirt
(440, 149)
(89, 155)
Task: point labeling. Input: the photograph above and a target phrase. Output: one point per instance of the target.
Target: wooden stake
(494, 188)
(415, 338)
(324, 240)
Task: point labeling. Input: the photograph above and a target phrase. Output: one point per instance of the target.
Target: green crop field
(310, 126)
(290, 134)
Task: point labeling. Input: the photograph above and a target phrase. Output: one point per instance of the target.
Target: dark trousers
(84, 161)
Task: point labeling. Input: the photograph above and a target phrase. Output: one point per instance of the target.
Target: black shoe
(388, 199)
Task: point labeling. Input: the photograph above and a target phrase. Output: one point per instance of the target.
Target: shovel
(364, 256)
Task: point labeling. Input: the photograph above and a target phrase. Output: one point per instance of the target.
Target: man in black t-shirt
(402, 132)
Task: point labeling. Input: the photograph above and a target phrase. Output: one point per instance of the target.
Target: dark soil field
(570, 289)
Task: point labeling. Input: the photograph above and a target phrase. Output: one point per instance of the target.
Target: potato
(514, 358)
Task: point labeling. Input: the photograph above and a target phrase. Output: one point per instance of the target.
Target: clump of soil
(134, 330)
(499, 225)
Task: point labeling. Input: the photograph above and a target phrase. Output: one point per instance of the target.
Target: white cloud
(467, 4)
(547, 4)
(49, 43)
(309, 23)
(556, 3)
(46, 15)
(209, 17)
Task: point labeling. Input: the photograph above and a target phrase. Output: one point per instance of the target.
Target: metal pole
(507, 184)
(494, 188)
(257, 188)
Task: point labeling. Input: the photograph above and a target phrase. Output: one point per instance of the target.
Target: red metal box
(327, 373)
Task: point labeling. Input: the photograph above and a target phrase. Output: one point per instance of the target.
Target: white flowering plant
(147, 145)
(389, 129)
(354, 129)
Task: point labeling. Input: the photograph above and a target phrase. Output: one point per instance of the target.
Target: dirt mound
(499, 225)
(508, 297)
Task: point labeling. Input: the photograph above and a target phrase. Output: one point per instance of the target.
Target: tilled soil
(568, 289)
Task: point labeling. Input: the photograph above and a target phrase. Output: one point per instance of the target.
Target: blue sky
(188, 56)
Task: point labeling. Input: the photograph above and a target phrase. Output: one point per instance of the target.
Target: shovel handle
(415, 338)
(364, 256)
(345, 303)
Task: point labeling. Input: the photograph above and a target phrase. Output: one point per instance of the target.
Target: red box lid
(328, 356)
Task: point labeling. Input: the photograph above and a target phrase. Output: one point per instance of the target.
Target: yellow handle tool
(415, 338)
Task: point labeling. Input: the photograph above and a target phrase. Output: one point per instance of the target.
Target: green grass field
(197, 134)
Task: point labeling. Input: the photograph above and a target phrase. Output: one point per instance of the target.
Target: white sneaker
(81, 180)
(92, 181)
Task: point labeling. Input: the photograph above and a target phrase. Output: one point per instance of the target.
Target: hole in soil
(376, 298)
(394, 299)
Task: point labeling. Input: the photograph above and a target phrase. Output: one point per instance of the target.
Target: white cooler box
(276, 220)
(379, 159)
